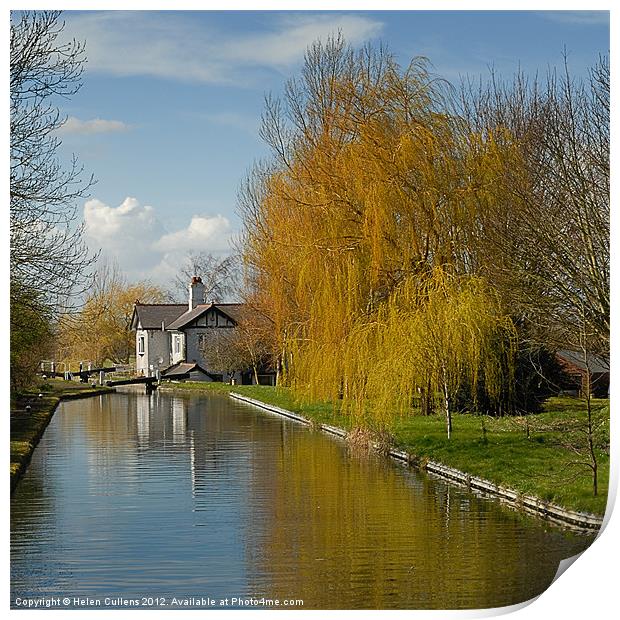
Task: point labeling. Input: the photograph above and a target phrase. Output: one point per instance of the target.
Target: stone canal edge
(581, 521)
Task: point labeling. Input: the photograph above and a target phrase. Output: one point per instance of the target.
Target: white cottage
(186, 341)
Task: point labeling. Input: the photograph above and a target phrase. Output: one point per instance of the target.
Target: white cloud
(133, 235)
(177, 46)
(288, 44)
(585, 18)
(74, 125)
(202, 233)
(130, 218)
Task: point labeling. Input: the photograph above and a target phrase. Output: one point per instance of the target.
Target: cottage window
(141, 345)
(177, 344)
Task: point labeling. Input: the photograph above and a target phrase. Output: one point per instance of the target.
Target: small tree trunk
(484, 430)
(426, 399)
(446, 401)
(423, 404)
(281, 367)
(591, 449)
(278, 371)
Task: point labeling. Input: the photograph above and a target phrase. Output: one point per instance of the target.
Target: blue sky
(167, 119)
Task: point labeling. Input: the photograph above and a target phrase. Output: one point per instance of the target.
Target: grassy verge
(27, 425)
(200, 386)
(542, 455)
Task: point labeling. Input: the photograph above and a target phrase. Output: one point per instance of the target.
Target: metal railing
(84, 370)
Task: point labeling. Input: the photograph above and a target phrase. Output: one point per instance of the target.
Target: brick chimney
(196, 292)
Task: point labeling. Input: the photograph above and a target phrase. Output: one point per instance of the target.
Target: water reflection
(160, 495)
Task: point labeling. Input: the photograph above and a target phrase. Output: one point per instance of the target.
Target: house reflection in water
(188, 435)
(179, 420)
(143, 416)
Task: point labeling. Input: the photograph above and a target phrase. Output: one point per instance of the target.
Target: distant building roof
(596, 363)
(232, 311)
(182, 369)
(150, 316)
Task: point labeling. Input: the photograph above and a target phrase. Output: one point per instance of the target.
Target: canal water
(135, 499)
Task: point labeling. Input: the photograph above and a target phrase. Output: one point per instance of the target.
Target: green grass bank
(543, 455)
(27, 426)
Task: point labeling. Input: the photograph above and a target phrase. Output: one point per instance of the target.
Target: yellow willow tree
(101, 330)
(372, 188)
(441, 333)
(459, 337)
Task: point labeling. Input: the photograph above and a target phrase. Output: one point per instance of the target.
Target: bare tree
(224, 353)
(544, 236)
(48, 258)
(241, 349)
(219, 275)
(47, 245)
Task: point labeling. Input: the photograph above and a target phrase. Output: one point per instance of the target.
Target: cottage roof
(150, 316)
(232, 311)
(596, 363)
